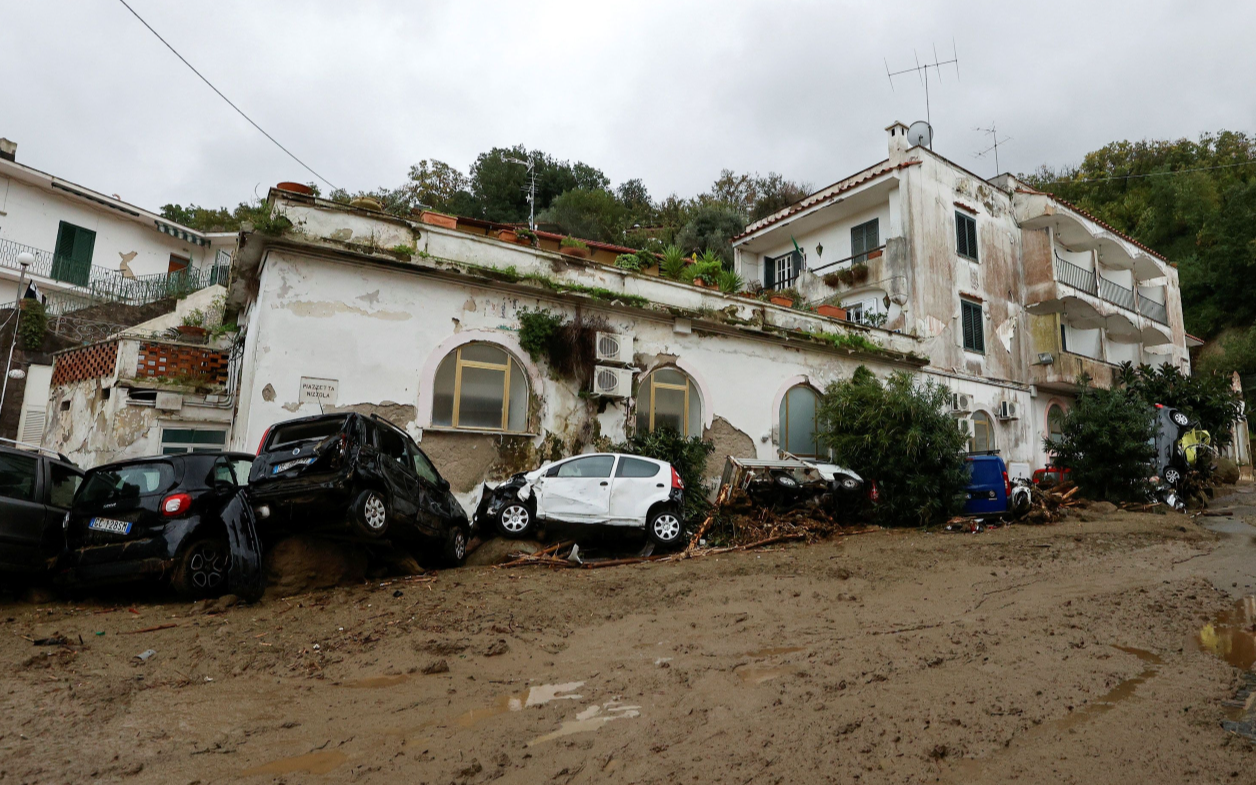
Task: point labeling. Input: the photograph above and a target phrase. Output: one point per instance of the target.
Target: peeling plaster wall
(392, 327)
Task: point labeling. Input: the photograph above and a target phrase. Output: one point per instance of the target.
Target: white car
(600, 488)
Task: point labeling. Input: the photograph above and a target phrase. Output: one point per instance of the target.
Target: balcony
(1065, 367)
(1154, 310)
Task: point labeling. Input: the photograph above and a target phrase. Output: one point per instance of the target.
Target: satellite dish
(920, 134)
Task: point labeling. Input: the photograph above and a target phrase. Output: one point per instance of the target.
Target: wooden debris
(149, 629)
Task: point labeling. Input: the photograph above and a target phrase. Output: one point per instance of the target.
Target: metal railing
(1153, 310)
(1078, 278)
(850, 261)
(1116, 294)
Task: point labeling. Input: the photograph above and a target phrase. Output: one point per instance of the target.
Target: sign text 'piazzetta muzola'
(320, 391)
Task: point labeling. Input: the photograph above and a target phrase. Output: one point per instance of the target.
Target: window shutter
(857, 240)
(979, 329)
(795, 265)
(872, 234)
(972, 237)
(84, 242)
(769, 273)
(65, 240)
(961, 235)
(966, 320)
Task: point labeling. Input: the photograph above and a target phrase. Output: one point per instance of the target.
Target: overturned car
(792, 482)
(598, 489)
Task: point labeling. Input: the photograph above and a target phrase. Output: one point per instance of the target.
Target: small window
(72, 260)
(667, 398)
(781, 272)
(177, 441)
(973, 326)
(390, 443)
(1055, 422)
(424, 468)
(593, 466)
(982, 440)
(966, 236)
(309, 430)
(798, 423)
(635, 467)
(864, 238)
(178, 263)
(65, 481)
(480, 386)
(127, 482)
(17, 476)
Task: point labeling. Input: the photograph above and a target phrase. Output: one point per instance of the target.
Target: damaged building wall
(378, 335)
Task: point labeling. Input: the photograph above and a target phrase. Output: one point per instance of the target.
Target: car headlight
(262, 510)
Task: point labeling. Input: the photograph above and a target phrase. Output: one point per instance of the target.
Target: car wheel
(454, 554)
(1180, 419)
(516, 520)
(370, 513)
(202, 569)
(664, 526)
(1171, 475)
(786, 481)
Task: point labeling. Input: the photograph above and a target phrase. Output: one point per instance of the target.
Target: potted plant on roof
(192, 327)
(831, 311)
(508, 235)
(525, 236)
(438, 219)
(570, 246)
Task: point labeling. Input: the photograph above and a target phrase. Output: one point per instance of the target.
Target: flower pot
(439, 219)
(524, 240)
(784, 302)
(831, 311)
(875, 254)
(367, 203)
(579, 253)
(699, 282)
(192, 331)
(296, 188)
(508, 236)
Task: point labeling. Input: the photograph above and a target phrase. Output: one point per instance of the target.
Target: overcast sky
(670, 92)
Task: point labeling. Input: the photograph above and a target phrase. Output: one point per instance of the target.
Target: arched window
(1055, 422)
(798, 422)
(983, 433)
(482, 387)
(667, 398)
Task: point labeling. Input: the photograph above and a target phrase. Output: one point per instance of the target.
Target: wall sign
(319, 391)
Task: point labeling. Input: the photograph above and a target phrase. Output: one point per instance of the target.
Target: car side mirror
(442, 483)
(553, 472)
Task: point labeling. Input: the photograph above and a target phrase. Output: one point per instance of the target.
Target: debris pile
(1047, 505)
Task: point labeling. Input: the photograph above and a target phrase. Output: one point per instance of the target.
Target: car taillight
(175, 504)
(262, 443)
(874, 493)
(1007, 485)
(676, 481)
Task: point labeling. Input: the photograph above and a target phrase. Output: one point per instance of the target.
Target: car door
(434, 512)
(577, 490)
(638, 484)
(21, 509)
(397, 468)
(63, 482)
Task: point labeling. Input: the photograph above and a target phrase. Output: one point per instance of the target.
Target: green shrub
(898, 434)
(1204, 396)
(688, 456)
(1105, 440)
(729, 282)
(567, 345)
(536, 330)
(673, 263)
(707, 271)
(628, 261)
(34, 325)
(572, 242)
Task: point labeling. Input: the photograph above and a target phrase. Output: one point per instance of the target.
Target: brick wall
(175, 361)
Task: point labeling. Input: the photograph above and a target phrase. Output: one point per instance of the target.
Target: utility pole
(531, 164)
(24, 260)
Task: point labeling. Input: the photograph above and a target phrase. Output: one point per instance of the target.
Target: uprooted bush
(897, 434)
(1105, 440)
(566, 344)
(687, 455)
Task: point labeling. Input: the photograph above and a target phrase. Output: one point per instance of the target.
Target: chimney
(8, 149)
(897, 134)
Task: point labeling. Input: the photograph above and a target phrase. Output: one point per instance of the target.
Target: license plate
(286, 465)
(109, 525)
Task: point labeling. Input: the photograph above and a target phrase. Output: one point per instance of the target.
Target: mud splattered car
(356, 475)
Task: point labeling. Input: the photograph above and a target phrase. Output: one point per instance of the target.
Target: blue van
(989, 486)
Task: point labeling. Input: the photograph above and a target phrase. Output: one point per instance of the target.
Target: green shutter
(972, 238)
(966, 235)
(72, 261)
(769, 272)
(973, 328)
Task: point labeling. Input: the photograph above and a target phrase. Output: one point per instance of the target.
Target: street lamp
(24, 260)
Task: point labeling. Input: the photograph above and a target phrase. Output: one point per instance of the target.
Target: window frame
(687, 387)
(506, 370)
(992, 444)
(966, 236)
(1051, 407)
(782, 414)
(861, 256)
(193, 446)
(978, 332)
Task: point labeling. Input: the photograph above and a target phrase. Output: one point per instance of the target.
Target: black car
(36, 489)
(363, 475)
(184, 518)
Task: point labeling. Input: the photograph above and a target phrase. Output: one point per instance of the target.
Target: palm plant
(729, 282)
(673, 262)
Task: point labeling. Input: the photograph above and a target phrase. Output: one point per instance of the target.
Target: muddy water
(310, 763)
(1232, 635)
(533, 696)
(760, 675)
(376, 682)
(591, 719)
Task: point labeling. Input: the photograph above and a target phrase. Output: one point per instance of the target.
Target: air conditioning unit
(1008, 410)
(613, 348)
(961, 403)
(611, 382)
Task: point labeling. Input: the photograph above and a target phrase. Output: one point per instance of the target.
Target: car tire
(664, 527)
(371, 514)
(1180, 419)
(454, 550)
(201, 570)
(1171, 475)
(516, 519)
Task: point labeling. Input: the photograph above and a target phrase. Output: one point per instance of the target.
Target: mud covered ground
(1052, 654)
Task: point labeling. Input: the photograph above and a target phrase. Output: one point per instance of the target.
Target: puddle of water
(1232, 635)
(1141, 654)
(376, 682)
(591, 719)
(775, 651)
(760, 675)
(310, 763)
(1107, 702)
(534, 696)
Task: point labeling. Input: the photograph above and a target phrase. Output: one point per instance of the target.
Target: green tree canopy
(1105, 441)
(589, 213)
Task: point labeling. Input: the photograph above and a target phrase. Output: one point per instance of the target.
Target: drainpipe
(24, 260)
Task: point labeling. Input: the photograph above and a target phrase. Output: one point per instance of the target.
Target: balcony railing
(1116, 294)
(1153, 310)
(92, 284)
(1078, 278)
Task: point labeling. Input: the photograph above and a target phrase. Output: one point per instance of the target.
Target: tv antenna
(994, 137)
(922, 71)
(531, 189)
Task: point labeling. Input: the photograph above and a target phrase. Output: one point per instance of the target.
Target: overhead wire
(224, 97)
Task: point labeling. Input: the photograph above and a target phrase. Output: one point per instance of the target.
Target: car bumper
(301, 501)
